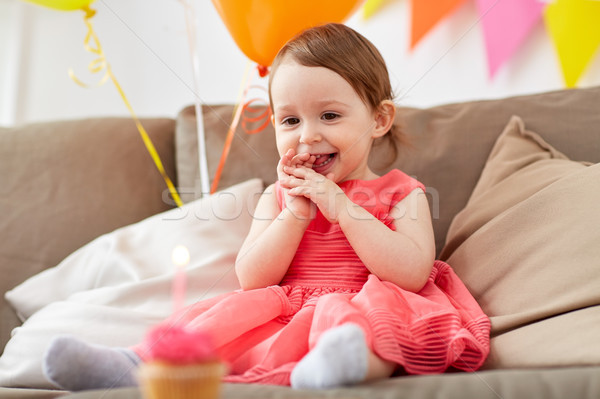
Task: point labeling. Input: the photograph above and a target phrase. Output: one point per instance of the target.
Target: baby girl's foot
(339, 358)
(75, 365)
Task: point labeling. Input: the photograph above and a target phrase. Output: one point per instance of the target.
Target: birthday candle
(180, 257)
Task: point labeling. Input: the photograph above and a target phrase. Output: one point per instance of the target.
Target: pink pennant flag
(506, 24)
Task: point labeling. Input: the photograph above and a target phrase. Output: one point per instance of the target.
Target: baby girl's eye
(329, 116)
(290, 121)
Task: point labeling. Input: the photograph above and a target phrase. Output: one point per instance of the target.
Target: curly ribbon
(263, 115)
(100, 64)
(242, 108)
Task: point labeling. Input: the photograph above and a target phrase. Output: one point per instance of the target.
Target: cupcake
(180, 364)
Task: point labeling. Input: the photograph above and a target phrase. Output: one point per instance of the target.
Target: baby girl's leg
(341, 357)
(379, 368)
(75, 365)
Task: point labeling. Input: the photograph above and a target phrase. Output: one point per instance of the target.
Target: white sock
(75, 365)
(339, 358)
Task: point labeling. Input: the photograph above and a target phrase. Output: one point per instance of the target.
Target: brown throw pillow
(526, 246)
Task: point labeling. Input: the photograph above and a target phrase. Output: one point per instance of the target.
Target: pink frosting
(177, 345)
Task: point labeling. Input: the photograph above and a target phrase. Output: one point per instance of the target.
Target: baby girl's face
(317, 111)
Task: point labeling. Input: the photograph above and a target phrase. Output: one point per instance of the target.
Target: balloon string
(92, 45)
(237, 112)
(242, 107)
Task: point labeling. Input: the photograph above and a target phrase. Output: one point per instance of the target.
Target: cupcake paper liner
(166, 381)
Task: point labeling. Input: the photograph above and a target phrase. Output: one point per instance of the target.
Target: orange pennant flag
(575, 31)
(425, 14)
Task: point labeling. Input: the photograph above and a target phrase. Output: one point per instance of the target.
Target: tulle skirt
(263, 333)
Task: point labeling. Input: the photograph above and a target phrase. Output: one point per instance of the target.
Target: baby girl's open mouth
(323, 162)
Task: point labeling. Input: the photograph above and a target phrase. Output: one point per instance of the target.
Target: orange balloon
(261, 27)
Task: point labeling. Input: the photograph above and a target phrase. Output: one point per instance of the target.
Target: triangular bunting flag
(425, 14)
(574, 26)
(506, 24)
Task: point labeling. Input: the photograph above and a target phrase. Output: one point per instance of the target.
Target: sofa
(88, 225)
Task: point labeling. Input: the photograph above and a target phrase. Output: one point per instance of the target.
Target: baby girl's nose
(309, 136)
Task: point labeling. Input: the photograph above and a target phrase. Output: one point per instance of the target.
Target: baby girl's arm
(405, 256)
(270, 245)
(274, 235)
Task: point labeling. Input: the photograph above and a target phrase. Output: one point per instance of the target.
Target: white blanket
(117, 286)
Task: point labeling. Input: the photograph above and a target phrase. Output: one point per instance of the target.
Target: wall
(148, 50)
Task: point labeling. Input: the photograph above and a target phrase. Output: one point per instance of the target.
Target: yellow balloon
(64, 5)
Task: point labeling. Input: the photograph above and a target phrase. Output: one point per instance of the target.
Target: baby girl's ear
(384, 118)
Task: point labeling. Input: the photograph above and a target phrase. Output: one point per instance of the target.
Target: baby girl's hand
(302, 159)
(322, 190)
(300, 206)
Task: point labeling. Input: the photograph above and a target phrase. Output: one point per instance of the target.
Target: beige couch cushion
(65, 183)
(450, 144)
(526, 246)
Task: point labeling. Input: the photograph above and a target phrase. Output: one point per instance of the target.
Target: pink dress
(263, 333)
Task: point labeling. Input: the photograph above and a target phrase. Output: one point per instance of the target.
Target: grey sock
(75, 365)
(339, 358)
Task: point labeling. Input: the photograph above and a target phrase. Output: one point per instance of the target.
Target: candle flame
(180, 255)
